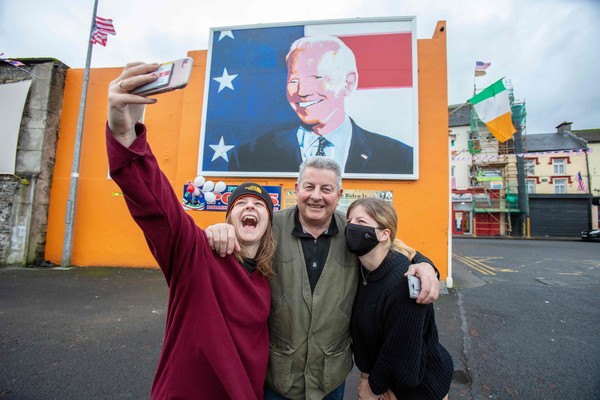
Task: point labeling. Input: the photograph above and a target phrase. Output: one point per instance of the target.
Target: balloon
(199, 181)
(210, 197)
(196, 192)
(220, 187)
(190, 188)
(208, 186)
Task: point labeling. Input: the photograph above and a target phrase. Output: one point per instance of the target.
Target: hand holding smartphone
(414, 286)
(172, 75)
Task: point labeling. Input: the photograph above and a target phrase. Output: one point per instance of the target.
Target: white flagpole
(70, 216)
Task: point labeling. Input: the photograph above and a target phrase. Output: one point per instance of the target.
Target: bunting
(494, 157)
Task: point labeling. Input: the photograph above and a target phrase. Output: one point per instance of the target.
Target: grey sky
(548, 49)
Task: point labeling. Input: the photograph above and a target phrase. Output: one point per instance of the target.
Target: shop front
(462, 215)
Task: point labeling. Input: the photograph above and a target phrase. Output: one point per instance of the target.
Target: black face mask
(360, 239)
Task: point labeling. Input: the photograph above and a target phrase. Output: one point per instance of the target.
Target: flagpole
(70, 214)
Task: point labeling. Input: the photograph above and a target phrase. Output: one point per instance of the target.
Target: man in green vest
(313, 288)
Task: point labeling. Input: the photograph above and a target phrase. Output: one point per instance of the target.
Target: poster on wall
(289, 199)
(215, 198)
(278, 94)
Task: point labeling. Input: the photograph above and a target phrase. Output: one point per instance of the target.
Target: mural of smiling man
(321, 74)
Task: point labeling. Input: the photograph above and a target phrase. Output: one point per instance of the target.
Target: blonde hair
(384, 214)
(265, 253)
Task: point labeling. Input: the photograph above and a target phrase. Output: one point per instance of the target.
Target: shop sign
(489, 175)
(462, 197)
(482, 198)
(496, 185)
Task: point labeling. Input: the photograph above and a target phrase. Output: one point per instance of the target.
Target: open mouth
(249, 220)
(306, 104)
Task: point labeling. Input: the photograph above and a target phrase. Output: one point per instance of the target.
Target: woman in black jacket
(395, 339)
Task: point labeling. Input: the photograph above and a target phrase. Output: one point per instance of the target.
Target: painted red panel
(383, 60)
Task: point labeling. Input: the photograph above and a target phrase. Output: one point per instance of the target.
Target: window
(453, 180)
(530, 167)
(560, 185)
(531, 186)
(474, 144)
(559, 166)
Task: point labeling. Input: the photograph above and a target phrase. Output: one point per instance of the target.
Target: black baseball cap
(250, 189)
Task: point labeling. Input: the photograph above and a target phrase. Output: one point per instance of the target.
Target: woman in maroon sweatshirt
(216, 341)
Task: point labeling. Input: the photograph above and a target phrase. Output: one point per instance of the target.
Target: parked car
(590, 234)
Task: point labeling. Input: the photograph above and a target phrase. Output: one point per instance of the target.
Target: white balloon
(199, 181)
(210, 197)
(196, 192)
(220, 187)
(208, 186)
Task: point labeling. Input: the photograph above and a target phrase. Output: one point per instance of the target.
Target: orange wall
(105, 235)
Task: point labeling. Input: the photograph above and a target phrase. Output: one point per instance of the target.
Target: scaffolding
(496, 175)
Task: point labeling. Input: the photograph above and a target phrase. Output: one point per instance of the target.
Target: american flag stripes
(102, 29)
(14, 63)
(580, 182)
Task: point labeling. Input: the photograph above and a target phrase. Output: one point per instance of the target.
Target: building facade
(483, 175)
(591, 138)
(25, 186)
(552, 198)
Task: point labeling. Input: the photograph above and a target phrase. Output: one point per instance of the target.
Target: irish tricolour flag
(493, 107)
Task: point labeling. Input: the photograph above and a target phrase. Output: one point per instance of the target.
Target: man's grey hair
(320, 162)
(344, 57)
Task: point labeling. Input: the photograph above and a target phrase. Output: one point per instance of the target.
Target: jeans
(337, 394)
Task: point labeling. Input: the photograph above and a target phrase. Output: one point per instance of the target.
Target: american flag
(480, 68)
(14, 63)
(580, 183)
(102, 29)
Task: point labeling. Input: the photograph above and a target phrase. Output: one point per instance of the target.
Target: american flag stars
(221, 150)
(225, 80)
(224, 34)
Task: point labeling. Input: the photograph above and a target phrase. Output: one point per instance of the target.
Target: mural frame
(249, 128)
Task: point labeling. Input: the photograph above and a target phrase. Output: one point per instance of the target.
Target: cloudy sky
(548, 49)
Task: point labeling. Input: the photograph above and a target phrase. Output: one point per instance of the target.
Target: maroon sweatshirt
(216, 342)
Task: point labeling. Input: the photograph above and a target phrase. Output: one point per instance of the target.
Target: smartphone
(172, 75)
(414, 286)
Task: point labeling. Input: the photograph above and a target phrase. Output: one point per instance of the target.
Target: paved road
(521, 322)
(532, 330)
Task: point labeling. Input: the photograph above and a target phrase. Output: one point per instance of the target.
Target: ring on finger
(121, 86)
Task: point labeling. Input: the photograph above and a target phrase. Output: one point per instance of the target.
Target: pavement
(96, 333)
(545, 237)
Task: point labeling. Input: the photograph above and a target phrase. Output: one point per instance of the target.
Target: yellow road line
(484, 266)
(475, 264)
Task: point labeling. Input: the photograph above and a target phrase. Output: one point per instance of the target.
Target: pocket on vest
(337, 363)
(281, 355)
